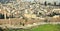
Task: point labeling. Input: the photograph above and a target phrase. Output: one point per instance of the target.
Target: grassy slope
(46, 27)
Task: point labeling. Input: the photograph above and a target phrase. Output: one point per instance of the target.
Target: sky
(49, 1)
(42, 1)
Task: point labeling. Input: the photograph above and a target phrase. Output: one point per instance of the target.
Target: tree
(54, 3)
(49, 3)
(59, 4)
(45, 3)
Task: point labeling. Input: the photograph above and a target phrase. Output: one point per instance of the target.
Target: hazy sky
(51, 1)
(42, 1)
(47, 0)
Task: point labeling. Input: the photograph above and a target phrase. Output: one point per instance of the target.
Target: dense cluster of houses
(20, 9)
(19, 12)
